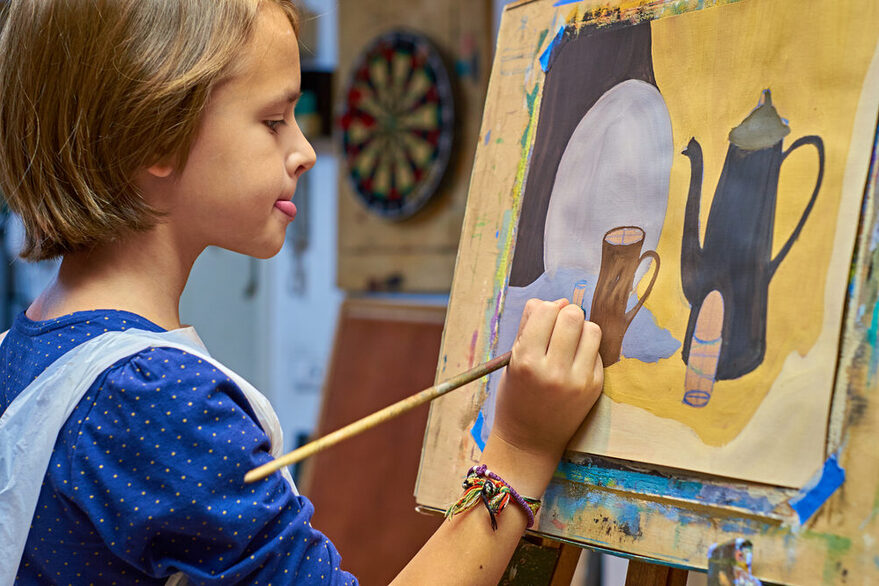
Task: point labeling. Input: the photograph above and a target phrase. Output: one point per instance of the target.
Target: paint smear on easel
(476, 431)
(640, 482)
(472, 354)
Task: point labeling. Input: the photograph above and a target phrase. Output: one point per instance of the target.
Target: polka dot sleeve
(157, 466)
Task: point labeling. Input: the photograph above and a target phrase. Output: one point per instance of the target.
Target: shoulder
(172, 377)
(162, 414)
(161, 397)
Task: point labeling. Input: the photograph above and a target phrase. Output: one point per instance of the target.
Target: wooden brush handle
(370, 421)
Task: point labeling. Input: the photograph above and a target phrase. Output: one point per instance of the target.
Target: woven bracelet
(483, 485)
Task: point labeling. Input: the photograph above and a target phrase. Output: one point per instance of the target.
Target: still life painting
(694, 183)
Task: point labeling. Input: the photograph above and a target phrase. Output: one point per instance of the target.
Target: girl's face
(236, 187)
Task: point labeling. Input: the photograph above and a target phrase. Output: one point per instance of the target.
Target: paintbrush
(379, 417)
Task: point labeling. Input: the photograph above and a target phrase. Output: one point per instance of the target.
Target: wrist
(527, 472)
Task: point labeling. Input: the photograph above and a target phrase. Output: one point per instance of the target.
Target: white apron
(31, 423)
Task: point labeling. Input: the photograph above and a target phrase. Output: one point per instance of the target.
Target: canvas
(694, 183)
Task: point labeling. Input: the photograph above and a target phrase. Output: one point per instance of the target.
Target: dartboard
(397, 124)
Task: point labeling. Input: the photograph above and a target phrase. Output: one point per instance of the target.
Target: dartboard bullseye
(397, 124)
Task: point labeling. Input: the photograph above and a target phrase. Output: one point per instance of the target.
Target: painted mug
(620, 258)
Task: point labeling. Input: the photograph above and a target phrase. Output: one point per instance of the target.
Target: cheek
(228, 167)
(233, 146)
(254, 163)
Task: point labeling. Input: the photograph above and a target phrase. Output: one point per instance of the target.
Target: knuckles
(524, 366)
(571, 315)
(557, 382)
(532, 303)
(545, 306)
(592, 330)
(530, 366)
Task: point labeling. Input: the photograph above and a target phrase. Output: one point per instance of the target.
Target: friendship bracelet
(530, 505)
(483, 485)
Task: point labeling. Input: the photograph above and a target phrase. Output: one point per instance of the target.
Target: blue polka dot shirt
(146, 478)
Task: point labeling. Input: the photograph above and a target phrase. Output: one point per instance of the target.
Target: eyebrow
(287, 98)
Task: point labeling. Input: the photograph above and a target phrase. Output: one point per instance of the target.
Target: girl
(133, 134)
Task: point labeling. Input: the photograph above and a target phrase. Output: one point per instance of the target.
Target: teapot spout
(691, 250)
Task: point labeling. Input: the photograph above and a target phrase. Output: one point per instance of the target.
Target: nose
(301, 156)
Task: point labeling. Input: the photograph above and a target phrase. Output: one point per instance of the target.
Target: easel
(643, 573)
(665, 516)
(539, 561)
(553, 563)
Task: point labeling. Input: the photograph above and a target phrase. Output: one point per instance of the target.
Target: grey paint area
(614, 172)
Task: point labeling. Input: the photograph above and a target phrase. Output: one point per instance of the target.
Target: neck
(144, 274)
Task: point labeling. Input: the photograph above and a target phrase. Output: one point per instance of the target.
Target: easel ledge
(541, 561)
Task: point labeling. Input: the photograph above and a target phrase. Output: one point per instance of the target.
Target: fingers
(530, 306)
(598, 373)
(587, 361)
(526, 313)
(535, 329)
(566, 336)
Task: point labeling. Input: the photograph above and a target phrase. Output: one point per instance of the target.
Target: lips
(287, 207)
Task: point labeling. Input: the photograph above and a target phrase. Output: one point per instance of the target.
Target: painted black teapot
(735, 258)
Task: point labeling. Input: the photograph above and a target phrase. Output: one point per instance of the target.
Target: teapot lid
(761, 129)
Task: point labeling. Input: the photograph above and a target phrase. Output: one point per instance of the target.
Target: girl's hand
(554, 377)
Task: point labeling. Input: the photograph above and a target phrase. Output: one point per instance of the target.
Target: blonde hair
(92, 92)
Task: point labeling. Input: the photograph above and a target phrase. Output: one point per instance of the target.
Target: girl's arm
(554, 378)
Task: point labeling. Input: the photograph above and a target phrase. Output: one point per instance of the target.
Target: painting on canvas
(694, 184)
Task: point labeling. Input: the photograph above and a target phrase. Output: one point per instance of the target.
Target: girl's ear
(160, 170)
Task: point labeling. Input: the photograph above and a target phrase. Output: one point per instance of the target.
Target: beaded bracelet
(483, 484)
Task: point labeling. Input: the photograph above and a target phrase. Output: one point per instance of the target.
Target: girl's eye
(274, 124)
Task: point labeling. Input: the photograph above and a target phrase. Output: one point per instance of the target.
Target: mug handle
(819, 146)
(630, 315)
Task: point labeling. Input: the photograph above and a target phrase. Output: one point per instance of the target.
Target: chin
(266, 252)
(267, 255)
(261, 250)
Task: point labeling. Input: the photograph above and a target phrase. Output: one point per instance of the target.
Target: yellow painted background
(711, 67)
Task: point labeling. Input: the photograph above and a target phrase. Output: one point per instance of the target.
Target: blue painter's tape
(818, 490)
(563, 2)
(547, 54)
(476, 431)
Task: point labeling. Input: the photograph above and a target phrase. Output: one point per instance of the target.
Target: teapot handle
(630, 315)
(819, 146)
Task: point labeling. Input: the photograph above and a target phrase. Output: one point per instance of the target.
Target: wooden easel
(542, 561)
(618, 502)
(647, 574)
